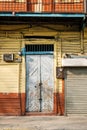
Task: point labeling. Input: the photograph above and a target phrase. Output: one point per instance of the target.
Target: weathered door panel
(39, 83)
(47, 82)
(32, 102)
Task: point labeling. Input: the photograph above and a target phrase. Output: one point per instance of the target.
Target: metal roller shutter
(76, 91)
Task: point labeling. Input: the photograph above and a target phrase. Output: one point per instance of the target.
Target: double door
(39, 83)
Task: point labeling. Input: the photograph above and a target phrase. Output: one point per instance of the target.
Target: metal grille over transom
(39, 48)
(76, 91)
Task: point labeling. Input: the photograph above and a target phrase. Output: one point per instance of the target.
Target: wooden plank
(10, 106)
(10, 95)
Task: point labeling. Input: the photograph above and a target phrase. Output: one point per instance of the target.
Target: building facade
(43, 57)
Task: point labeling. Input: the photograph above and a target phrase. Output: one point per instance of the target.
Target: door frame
(55, 81)
(23, 96)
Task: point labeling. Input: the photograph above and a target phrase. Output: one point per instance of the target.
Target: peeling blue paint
(40, 53)
(23, 52)
(27, 14)
(49, 15)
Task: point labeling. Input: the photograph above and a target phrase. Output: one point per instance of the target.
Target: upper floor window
(66, 1)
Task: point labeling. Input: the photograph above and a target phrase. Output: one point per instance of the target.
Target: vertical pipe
(40, 84)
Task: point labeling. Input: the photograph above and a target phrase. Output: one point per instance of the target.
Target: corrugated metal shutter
(76, 91)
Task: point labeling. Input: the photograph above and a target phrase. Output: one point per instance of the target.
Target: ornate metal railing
(43, 6)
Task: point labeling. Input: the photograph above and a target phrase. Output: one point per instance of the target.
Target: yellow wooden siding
(9, 78)
(9, 45)
(85, 45)
(68, 40)
(71, 42)
(85, 40)
(10, 70)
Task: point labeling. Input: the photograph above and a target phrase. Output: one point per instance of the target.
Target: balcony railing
(43, 6)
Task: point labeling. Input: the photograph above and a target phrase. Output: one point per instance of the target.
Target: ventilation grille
(39, 48)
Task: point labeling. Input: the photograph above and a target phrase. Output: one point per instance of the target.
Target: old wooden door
(39, 83)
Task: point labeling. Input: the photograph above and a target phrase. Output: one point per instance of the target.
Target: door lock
(40, 84)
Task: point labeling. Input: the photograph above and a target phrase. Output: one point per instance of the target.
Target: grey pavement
(43, 122)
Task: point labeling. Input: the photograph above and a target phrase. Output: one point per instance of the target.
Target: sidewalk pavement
(43, 122)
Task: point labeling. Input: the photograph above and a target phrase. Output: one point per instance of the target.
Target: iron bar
(40, 84)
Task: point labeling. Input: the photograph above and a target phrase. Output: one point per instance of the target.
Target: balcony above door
(43, 6)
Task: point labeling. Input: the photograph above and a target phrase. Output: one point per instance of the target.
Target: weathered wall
(10, 73)
(67, 39)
